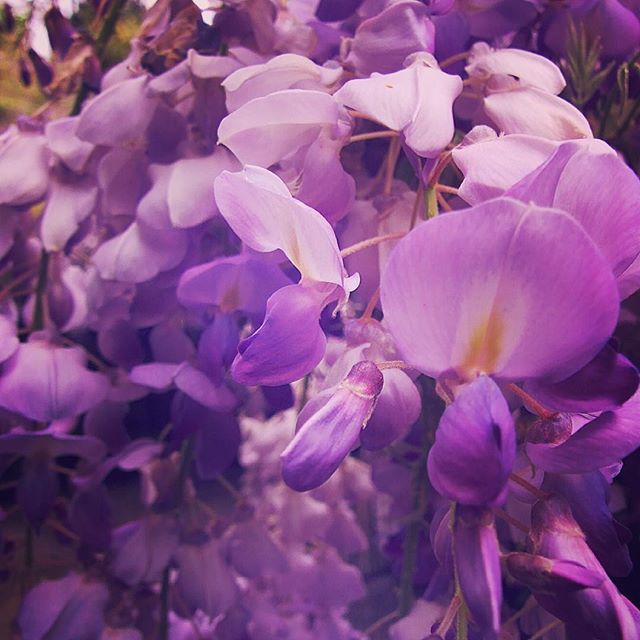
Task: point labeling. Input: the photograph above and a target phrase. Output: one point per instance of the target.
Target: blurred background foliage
(18, 97)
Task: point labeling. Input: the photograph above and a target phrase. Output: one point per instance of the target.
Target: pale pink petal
(535, 112)
(530, 68)
(416, 101)
(493, 165)
(266, 130)
(287, 71)
(261, 211)
(139, 253)
(190, 187)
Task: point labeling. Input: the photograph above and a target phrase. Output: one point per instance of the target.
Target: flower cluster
(338, 282)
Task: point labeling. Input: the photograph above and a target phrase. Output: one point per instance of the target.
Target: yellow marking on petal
(485, 346)
(230, 299)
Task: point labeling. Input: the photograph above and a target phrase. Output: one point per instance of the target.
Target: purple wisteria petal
(532, 111)
(217, 435)
(90, 517)
(492, 164)
(232, 283)
(543, 574)
(218, 346)
(202, 389)
(8, 339)
(483, 312)
(268, 129)
(105, 422)
(49, 444)
(139, 253)
(599, 443)
(398, 407)
(530, 68)
(261, 211)
(65, 145)
(63, 388)
(383, 42)
(189, 379)
(592, 612)
(119, 115)
(37, 491)
(252, 551)
(288, 344)
(325, 438)
(169, 343)
(322, 166)
(588, 495)
(592, 184)
(287, 71)
(205, 581)
(24, 167)
(153, 208)
(68, 204)
(416, 101)
(120, 343)
(71, 607)
(156, 375)
(190, 188)
(141, 549)
(606, 382)
(122, 178)
(475, 431)
(477, 558)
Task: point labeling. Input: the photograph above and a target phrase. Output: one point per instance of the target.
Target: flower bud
(329, 427)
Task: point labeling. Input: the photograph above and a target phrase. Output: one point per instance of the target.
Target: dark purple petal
(71, 607)
(383, 42)
(475, 432)
(543, 574)
(599, 443)
(37, 490)
(606, 382)
(588, 495)
(477, 561)
(288, 344)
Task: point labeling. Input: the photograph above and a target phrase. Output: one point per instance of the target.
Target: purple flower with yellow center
(489, 290)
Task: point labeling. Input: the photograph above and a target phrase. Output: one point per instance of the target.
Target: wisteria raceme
(318, 319)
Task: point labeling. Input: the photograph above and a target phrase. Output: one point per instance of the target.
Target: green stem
(419, 487)
(102, 41)
(41, 288)
(431, 197)
(462, 626)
